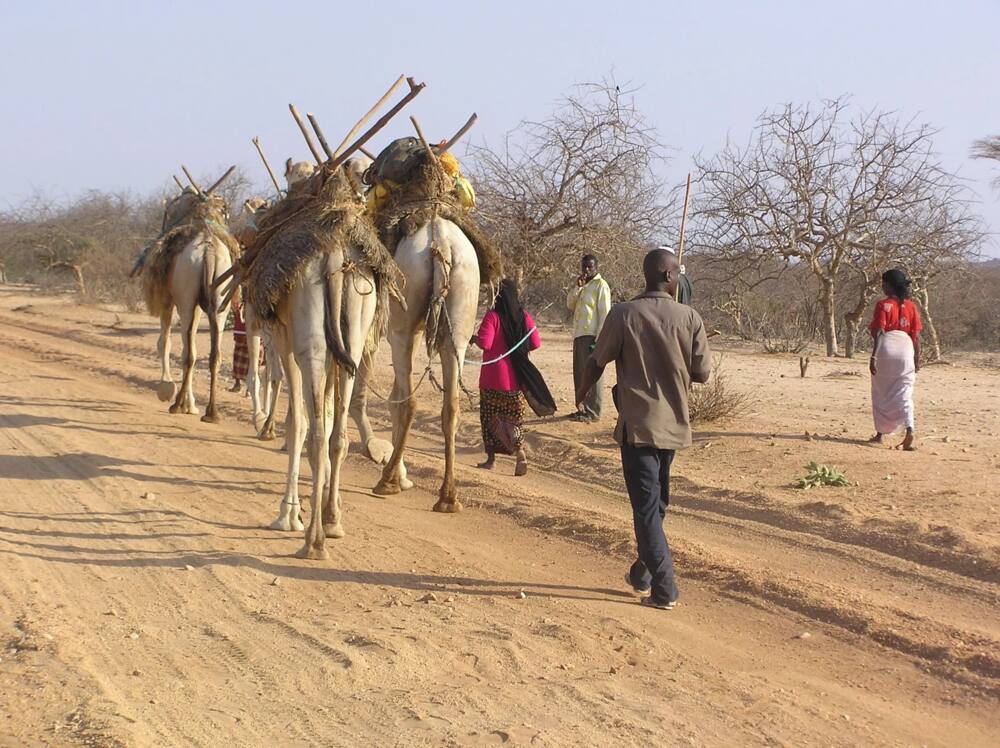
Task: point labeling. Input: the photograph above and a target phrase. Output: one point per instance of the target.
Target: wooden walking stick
(680, 243)
(220, 180)
(319, 135)
(458, 135)
(267, 166)
(197, 189)
(305, 133)
(178, 183)
(371, 113)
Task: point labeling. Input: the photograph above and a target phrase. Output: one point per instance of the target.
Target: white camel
(188, 287)
(442, 285)
(322, 326)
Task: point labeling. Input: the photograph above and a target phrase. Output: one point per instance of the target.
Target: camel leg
(184, 403)
(288, 515)
(318, 390)
(447, 497)
(403, 408)
(339, 443)
(215, 324)
(377, 450)
(266, 432)
(166, 389)
(253, 379)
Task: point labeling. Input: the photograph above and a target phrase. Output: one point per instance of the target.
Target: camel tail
(333, 305)
(206, 295)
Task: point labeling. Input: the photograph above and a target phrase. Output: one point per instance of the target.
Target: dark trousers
(594, 400)
(647, 476)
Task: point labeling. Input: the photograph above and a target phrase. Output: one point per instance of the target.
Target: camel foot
(166, 391)
(448, 506)
(387, 488)
(287, 524)
(268, 436)
(175, 409)
(405, 484)
(259, 419)
(210, 417)
(334, 531)
(313, 553)
(378, 450)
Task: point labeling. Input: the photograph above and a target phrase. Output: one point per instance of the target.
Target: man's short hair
(588, 258)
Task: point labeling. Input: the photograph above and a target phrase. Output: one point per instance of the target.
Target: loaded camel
(193, 249)
(432, 241)
(319, 276)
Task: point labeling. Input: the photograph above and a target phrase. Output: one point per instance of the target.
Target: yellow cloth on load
(465, 193)
(378, 194)
(450, 164)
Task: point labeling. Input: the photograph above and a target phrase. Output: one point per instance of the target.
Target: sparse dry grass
(718, 399)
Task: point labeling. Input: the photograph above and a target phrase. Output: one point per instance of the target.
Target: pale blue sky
(115, 95)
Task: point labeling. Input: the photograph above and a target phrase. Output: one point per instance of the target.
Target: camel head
(356, 166)
(254, 205)
(297, 171)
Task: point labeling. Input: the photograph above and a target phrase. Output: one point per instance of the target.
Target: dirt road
(142, 603)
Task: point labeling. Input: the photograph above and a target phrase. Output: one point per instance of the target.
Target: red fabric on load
(500, 376)
(891, 315)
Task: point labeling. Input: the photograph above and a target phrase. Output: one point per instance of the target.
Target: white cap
(667, 248)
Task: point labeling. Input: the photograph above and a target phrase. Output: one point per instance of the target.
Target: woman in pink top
(501, 406)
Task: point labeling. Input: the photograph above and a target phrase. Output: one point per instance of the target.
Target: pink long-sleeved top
(500, 376)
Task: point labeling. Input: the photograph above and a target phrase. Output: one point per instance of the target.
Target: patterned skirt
(501, 415)
(241, 357)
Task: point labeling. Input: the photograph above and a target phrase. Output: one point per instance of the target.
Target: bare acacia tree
(988, 148)
(584, 180)
(815, 186)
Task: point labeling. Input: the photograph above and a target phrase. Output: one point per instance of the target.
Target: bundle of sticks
(328, 161)
(334, 158)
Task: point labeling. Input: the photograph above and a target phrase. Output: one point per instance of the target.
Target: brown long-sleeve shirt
(659, 347)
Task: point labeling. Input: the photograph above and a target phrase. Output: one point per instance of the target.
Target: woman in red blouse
(501, 407)
(895, 358)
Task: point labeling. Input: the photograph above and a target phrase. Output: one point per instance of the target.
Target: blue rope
(521, 342)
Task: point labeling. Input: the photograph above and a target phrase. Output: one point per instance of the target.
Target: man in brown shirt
(659, 347)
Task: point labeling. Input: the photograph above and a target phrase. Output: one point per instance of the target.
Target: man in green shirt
(590, 301)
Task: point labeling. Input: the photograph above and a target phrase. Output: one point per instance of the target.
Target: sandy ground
(142, 603)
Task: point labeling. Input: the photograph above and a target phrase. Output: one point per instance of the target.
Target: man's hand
(581, 281)
(871, 366)
(916, 364)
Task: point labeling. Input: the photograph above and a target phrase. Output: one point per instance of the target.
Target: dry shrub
(718, 399)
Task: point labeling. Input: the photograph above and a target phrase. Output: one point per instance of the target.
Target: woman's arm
(487, 330)
(871, 362)
(535, 340)
(916, 353)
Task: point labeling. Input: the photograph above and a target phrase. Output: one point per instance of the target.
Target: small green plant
(821, 475)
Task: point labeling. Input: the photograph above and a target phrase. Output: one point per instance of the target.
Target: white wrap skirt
(892, 385)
